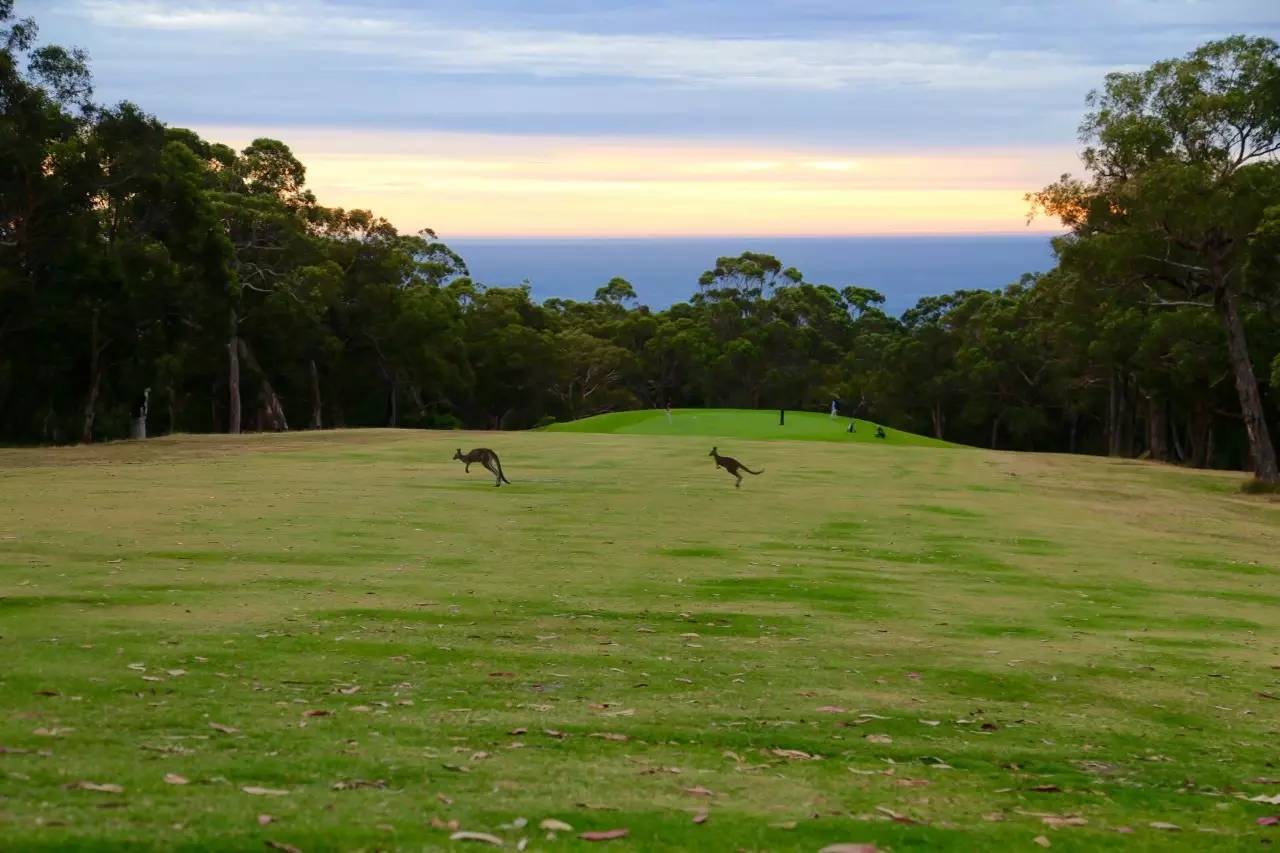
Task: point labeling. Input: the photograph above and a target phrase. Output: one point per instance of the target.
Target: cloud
(394, 39)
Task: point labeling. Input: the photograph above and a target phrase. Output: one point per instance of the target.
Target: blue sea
(665, 270)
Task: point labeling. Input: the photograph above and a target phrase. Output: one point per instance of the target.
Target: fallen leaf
(104, 788)
(444, 798)
(175, 779)
(555, 734)
(849, 848)
(352, 784)
(451, 825)
(879, 739)
(264, 819)
(605, 835)
(930, 722)
(1047, 789)
(785, 824)
(699, 791)
(176, 673)
(1269, 821)
(914, 676)
(316, 712)
(483, 837)
(1263, 798)
(993, 817)
(263, 792)
(53, 732)
(1042, 841)
(225, 729)
(609, 736)
(279, 845)
(795, 755)
(831, 709)
(349, 690)
(899, 818)
(519, 731)
(553, 825)
(1168, 827)
(1059, 821)
(701, 817)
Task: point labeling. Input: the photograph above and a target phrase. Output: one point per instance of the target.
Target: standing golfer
(668, 411)
(834, 408)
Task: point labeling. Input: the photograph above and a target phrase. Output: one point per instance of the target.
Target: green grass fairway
(339, 641)
(742, 423)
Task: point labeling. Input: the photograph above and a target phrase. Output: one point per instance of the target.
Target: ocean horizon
(665, 270)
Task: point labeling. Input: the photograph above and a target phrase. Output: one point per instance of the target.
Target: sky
(647, 117)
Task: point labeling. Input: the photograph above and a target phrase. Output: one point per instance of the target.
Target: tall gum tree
(1182, 173)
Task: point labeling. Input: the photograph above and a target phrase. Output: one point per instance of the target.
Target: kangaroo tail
(498, 462)
(749, 471)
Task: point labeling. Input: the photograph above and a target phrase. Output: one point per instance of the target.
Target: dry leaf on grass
(849, 848)
(605, 835)
(1047, 789)
(175, 779)
(264, 819)
(1167, 827)
(553, 825)
(1059, 821)
(519, 731)
(104, 788)
(225, 729)
(555, 734)
(795, 755)
(263, 792)
(482, 837)
(879, 739)
(280, 845)
(895, 816)
(1269, 821)
(609, 736)
(316, 712)
(1263, 798)
(438, 823)
(701, 817)
(699, 791)
(831, 709)
(351, 784)
(1042, 841)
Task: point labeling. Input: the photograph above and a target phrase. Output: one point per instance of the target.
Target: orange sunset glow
(503, 185)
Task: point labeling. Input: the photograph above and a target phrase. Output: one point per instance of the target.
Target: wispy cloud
(410, 41)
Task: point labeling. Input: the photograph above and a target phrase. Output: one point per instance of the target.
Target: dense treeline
(138, 258)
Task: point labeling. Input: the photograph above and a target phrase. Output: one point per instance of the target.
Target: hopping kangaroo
(485, 457)
(733, 466)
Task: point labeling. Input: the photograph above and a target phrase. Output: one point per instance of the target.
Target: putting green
(743, 423)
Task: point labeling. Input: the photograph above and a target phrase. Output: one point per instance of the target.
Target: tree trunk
(1255, 421)
(1113, 416)
(1178, 451)
(1199, 430)
(233, 376)
(1158, 429)
(316, 407)
(173, 411)
(936, 413)
(95, 382)
(270, 410)
(395, 406)
(995, 431)
(1071, 437)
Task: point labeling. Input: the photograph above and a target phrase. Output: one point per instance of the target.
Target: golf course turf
(339, 640)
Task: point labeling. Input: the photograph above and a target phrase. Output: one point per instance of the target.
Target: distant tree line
(137, 256)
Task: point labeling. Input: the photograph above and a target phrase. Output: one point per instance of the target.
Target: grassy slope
(741, 423)
(1103, 627)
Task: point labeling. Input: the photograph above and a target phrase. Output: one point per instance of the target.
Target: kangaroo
(733, 466)
(485, 457)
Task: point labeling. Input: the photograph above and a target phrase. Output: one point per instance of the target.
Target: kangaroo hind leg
(497, 478)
